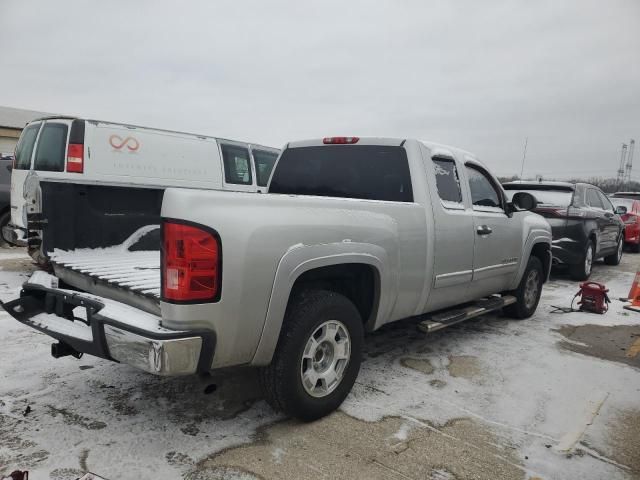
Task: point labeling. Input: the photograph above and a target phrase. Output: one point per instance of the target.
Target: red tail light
(75, 158)
(191, 263)
(339, 140)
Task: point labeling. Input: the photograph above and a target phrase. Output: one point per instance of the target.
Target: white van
(69, 149)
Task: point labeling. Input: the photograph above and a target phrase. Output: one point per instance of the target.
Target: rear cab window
(237, 164)
(371, 172)
(264, 161)
(51, 149)
(447, 182)
(24, 150)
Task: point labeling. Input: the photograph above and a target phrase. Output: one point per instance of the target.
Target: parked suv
(632, 195)
(629, 211)
(583, 220)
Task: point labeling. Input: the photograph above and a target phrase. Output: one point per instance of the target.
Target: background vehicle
(629, 211)
(357, 233)
(6, 163)
(584, 223)
(97, 153)
(632, 195)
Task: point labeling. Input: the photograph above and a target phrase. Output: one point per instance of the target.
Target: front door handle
(484, 230)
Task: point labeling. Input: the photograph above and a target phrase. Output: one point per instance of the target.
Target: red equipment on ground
(593, 297)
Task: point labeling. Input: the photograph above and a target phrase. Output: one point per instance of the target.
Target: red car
(629, 211)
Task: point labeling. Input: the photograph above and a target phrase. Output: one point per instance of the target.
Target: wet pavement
(553, 397)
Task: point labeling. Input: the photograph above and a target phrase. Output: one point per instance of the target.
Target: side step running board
(475, 309)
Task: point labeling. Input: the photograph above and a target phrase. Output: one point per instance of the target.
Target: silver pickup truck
(353, 234)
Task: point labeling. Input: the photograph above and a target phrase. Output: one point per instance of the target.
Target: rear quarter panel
(266, 236)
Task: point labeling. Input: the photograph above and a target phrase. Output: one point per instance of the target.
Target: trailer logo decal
(118, 142)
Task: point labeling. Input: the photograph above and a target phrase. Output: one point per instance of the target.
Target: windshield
(559, 198)
(623, 202)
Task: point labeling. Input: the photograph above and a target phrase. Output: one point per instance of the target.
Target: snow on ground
(511, 377)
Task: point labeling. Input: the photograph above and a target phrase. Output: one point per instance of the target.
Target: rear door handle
(484, 230)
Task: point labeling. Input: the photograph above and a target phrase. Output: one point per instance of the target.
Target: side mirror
(621, 210)
(524, 201)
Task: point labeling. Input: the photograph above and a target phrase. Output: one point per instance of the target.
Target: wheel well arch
(359, 282)
(542, 250)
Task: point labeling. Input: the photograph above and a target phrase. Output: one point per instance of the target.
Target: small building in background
(12, 121)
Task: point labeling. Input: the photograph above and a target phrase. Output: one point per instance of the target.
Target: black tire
(614, 258)
(581, 271)
(4, 220)
(281, 380)
(526, 305)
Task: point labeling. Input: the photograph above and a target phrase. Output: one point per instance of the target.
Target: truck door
(453, 242)
(21, 170)
(498, 237)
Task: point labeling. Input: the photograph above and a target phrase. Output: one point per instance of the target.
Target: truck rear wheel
(528, 292)
(318, 355)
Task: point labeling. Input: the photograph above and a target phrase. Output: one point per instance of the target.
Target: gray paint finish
(416, 248)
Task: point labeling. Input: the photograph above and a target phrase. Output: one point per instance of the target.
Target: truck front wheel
(318, 355)
(528, 292)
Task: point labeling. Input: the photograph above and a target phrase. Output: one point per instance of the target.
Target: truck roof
(437, 148)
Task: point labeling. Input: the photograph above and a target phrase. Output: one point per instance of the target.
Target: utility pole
(627, 168)
(524, 155)
(623, 156)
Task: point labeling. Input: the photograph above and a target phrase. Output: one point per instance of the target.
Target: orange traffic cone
(634, 295)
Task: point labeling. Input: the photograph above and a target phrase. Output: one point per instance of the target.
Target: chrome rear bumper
(83, 323)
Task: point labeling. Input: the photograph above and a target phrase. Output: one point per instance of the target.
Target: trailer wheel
(528, 292)
(318, 355)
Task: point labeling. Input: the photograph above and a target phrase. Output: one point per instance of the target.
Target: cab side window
(593, 199)
(447, 179)
(237, 166)
(483, 192)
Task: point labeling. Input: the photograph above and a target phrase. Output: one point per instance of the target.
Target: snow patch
(277, 455)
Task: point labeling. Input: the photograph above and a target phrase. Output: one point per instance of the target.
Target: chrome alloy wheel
(531, 289)
(325, 358)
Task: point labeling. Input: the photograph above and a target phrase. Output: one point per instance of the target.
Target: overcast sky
(478, 75)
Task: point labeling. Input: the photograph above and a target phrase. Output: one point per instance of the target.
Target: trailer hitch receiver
(62, 349)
